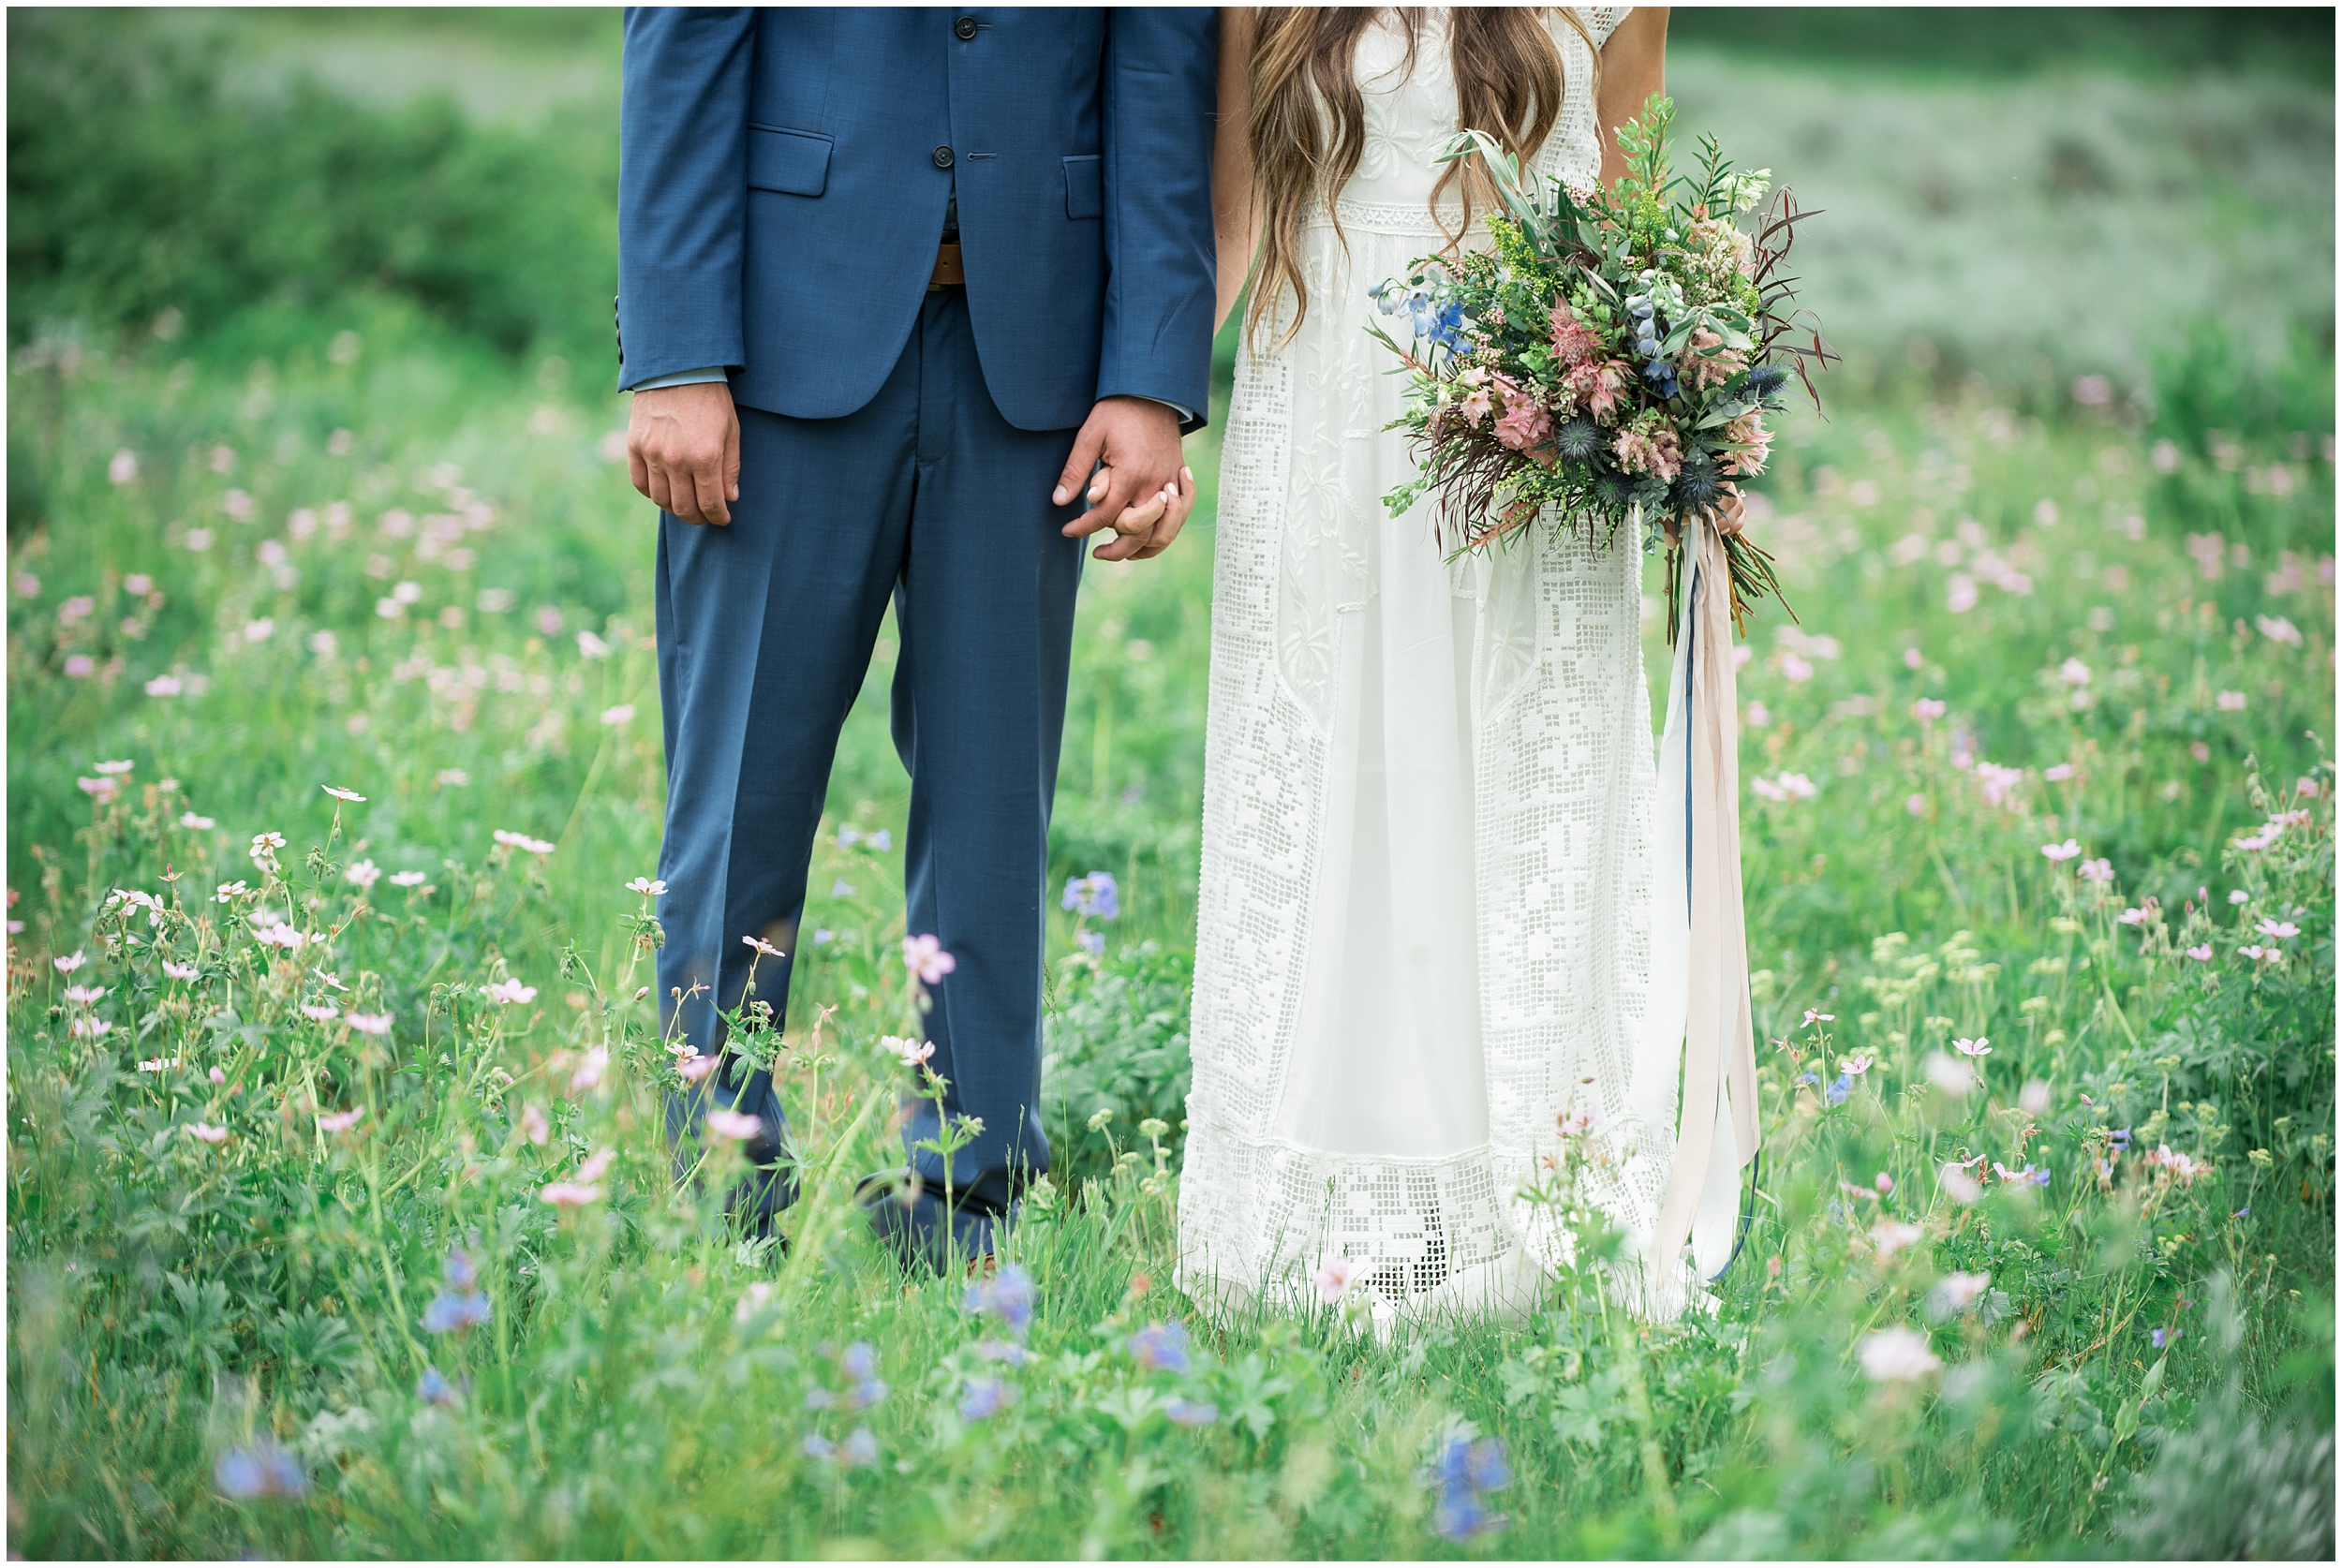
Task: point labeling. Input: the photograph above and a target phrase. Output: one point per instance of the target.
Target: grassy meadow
(2044, 761)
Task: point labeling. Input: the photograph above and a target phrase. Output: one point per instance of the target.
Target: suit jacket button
(943, 158)
(965, 28)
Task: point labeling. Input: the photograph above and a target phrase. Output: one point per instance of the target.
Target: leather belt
(948, 272)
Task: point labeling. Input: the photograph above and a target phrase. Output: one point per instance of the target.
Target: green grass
(175, 1300)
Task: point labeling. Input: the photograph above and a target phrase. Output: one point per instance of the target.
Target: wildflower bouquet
(1615, 353)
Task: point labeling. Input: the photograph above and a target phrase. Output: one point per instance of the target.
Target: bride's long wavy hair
(1508, 83)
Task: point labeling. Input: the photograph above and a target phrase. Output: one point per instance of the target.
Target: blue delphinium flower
(983, 1398)
(1191, 1413)
(1006, 1295)
(1160, 1347)
(264, 1469)
(1464, 1472)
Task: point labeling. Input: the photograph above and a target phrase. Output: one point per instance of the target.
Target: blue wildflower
(1836, 1093)
(1092, 942)
(1095, 896)
(2241, 1212)
(861, 1447)
(459, 1269)
(1006, 1295)
(1001, 1351)
(816, 1446)
(2161, 1336)
(1810, 1077)
(818, 1398)
(450, 1313)
(983, 1398)
(1464, 1472)
(858, 1360)
(849, 836)
(1191, 1413)
(2120, 1138)
(264, 1469)
(433, 1388)
(882, 840)
(1575, 440)
(1160, 1347)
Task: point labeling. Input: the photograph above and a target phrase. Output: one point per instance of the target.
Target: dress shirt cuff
(681, 379)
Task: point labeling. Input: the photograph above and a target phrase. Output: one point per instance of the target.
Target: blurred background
(2022, 192)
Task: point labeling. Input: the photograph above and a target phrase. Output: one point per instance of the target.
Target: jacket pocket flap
(1084, 186)
(794, 162)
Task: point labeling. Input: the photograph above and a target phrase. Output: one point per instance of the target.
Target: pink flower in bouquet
(1523, 424)
(1753, 443)
(1600, 388)
(1574, 342)
(1650, 447)
(1708, 369)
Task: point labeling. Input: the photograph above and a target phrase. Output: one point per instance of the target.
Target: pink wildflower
(2067, 851)
(207, 1132)
(369, 1023)
(647, 887)
(341, 1121)
(2201, 953)
(911, 1053)
(733, 1124)
(923, 956)
(2097, 870)
(340, 793)
(767, 949)
(1333, 1278)
(320, 1013)
(1897, 1355)
(571, 1194)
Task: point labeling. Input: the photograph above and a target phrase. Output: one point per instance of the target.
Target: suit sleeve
(682, 189)
(1161, 76)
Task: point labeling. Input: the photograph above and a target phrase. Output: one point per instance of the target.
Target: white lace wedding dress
(1424, 926)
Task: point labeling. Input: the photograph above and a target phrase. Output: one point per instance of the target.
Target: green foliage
(138, 184)
(1116, 1042)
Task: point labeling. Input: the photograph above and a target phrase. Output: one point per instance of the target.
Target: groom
(910, 302)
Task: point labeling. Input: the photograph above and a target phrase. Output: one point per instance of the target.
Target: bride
(1426, 931)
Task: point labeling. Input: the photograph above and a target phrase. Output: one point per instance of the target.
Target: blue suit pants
(765, 631)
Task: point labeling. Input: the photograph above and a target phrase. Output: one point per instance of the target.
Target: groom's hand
(683, 450)
(1138, 493)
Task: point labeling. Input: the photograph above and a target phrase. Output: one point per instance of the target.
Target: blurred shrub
(1996, 40)
(1116, 1041)
(138, 184)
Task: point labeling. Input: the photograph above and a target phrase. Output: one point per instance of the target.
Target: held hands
(683, 450)
(1140, 491)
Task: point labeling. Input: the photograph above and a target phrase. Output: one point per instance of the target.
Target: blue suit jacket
(784, 175)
